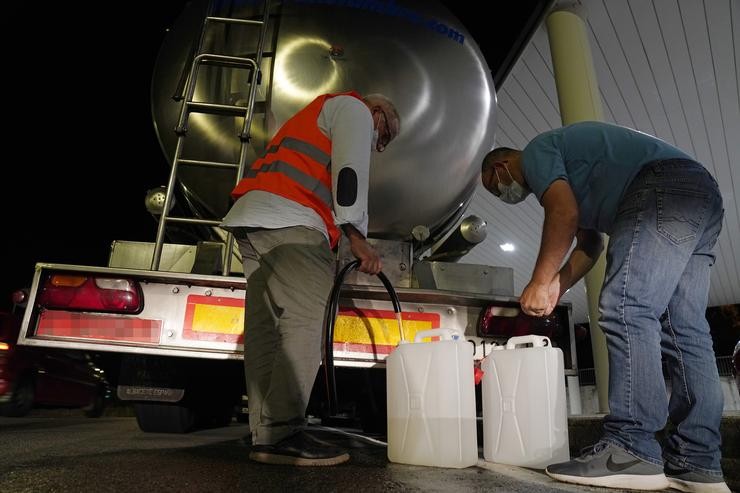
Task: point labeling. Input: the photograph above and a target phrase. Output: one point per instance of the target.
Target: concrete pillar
(574, 395)
(579, 99)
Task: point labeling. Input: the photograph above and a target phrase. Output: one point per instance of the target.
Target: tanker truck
(227, 76)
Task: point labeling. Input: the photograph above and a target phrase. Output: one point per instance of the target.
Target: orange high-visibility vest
(297, 165)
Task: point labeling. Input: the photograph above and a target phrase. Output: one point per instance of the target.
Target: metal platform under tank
(466, 278)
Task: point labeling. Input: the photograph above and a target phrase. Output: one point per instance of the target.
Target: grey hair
(377, 99)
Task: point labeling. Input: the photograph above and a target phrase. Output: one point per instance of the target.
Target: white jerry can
(525, 421)
(431, 402)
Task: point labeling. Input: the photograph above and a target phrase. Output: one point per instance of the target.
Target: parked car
(32, 376)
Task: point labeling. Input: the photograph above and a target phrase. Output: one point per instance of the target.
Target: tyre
(96, 407)
(22, 401)
(164, 418)
(217, 416)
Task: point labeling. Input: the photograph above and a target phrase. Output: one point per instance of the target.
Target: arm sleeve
(542, 163)
(350, 127)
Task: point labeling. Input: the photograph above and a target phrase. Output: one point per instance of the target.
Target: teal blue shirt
(598, 160)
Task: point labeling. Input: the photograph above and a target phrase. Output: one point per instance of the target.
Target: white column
(579, 99)
(574, 394)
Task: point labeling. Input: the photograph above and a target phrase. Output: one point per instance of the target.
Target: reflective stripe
(307, 181)
(303, 147)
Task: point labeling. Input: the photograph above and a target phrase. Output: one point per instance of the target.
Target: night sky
(80, 128)
(81, 132)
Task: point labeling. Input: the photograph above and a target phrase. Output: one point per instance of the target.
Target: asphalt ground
(60, 451)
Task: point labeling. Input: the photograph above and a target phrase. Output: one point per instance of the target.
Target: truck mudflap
(202, 316)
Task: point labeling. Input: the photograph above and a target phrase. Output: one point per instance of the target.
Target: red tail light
(102, 294)
(500, 321)
(505, 322)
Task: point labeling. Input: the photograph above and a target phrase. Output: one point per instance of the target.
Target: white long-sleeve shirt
(347, 121)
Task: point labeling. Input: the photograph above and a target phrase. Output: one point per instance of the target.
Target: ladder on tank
(189, 107)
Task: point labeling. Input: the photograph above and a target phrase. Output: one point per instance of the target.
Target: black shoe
(300, 449)
(694, 482)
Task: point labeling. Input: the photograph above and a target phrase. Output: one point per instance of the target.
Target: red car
(52, 377)
(736, 365)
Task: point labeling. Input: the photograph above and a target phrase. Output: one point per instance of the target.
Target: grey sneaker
(694, 482)
(609, 466)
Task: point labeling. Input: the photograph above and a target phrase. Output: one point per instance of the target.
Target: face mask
(374, 144)
(512, 193)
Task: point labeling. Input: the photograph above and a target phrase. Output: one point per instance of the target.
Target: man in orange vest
(288, 211)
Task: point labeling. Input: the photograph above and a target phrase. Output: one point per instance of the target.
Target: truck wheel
(95, 409)
(217, 416)
(22, 401)
(164, 418)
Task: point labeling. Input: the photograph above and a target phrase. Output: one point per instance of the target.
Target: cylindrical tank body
(415, 52)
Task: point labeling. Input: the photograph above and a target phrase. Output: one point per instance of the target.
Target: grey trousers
(290, 273)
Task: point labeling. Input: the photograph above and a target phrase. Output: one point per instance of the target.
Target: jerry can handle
(445, 334)
(534, 340)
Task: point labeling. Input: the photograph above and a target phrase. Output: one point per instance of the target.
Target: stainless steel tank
(415, 52)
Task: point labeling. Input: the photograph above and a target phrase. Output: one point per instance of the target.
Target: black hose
(331, 318)
(391, 293)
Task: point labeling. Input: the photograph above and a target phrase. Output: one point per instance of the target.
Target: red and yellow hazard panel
(366, 330)
(358, 330)
(214, 318)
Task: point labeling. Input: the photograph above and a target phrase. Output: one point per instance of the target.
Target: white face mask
(512, 193)
(374, 144)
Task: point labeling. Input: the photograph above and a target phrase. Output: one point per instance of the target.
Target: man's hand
(364, 252)
(539, 300)
(536, 299)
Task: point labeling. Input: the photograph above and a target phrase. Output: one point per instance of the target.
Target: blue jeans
(653, 304)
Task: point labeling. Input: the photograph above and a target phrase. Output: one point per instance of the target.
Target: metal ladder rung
(208, 164)
(225, 61)
(219, 63)
(217, 109)
(266, 54)
(229, 20)
(190, 220)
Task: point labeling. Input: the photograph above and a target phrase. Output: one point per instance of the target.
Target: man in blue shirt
(663, 213)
